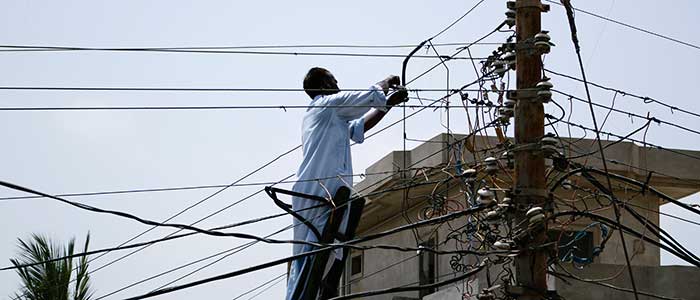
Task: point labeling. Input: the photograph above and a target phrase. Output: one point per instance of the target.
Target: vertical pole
(530, 183)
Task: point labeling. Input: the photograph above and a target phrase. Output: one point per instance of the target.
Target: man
(333, 119)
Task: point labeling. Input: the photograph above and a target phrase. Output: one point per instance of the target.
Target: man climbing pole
(333, 119)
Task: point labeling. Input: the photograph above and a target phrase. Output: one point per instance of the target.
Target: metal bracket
(540, 193)
(523, 94)
(530, 147)
(527, 3)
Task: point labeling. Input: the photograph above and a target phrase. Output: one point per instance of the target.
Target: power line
(150, 108)
(631, 26)
(574, 39)
(267, 288)
(298, 46)
(646, 99)
(192, 89)
(456, 21)
(260, 286)
(196, 187)
(654, 119)
(627, 138)
(254, 242)
(337, 54)
(312, 252)
(229, 206)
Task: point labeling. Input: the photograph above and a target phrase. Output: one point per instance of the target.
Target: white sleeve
(355, 104)
(356, 128)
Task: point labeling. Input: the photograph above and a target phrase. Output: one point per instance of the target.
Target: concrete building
(675, 175)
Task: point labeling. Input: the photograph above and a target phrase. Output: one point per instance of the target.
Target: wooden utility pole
(530, 185)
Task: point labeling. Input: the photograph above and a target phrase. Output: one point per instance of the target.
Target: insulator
(500, 68)
(508, 57)
(503, 244)
(507, 111)
(544, 84)
(509, 103)
(486, 196)
(493, 217)
(469, 173)
(505, 203)
(542, 42)
(491, 165)
(566, 184)
(549, 145)
(504, 114)
(510, 17)
(534, 211)
(536, 218)
(542, 36)
(535, 215)
(508, 157)
(544, 88)
(544, 95)
(549, 139)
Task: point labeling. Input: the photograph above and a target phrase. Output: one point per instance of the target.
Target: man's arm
(373, 117)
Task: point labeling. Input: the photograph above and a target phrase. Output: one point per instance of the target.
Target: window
(576, 243)
(427, 272)
(356, 265)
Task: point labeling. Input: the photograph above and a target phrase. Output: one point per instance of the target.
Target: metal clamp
(522, 94)
(527, 3)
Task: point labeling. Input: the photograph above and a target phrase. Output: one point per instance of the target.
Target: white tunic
(326, 135)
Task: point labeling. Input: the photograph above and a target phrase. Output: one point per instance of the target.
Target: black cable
(229, 252)
(199, 230)
(653, 228)
(367, 195)
(312, 252)
(369, 136)
(632, 27)
(665, 214)
(574, 38)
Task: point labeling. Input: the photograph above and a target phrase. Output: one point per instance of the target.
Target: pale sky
(83, 151)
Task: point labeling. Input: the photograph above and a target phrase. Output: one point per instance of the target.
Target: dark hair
(315, 80)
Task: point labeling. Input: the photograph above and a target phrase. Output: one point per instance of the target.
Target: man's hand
(389, 82)
(398, 95)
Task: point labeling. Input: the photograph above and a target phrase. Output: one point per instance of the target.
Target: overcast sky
(84, 151)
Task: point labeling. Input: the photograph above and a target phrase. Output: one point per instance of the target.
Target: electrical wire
(244, 52)
(308, 253)
(260, 286)
(124, 108)
(241, 47)
(631, 26)
(645, 99)
(654, 119)
(574, 38)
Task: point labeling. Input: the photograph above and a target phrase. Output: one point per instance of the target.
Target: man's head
(319, 81)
